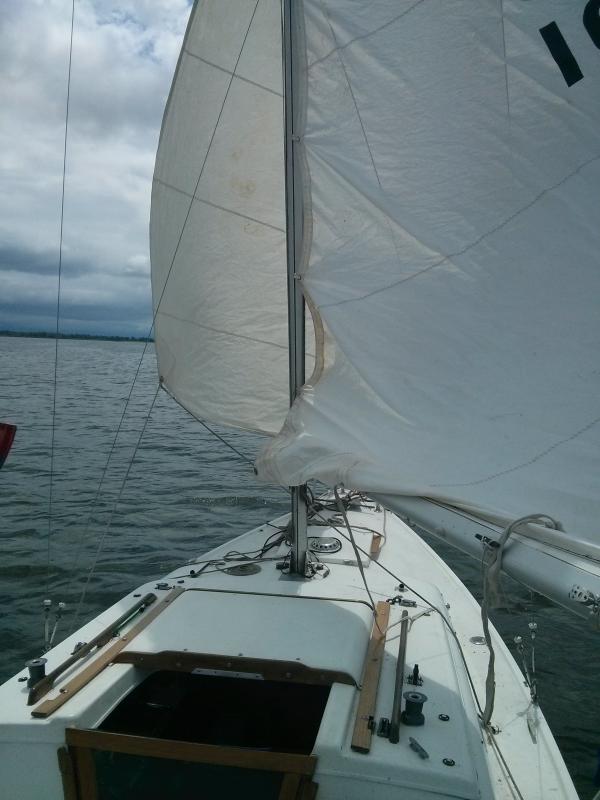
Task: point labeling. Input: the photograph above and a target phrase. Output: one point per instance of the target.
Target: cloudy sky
(124, 54)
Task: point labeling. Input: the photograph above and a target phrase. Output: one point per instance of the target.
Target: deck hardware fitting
(443, 717)
(449, 762)
(324, 544)
(486, 541)
(383, 729)
(163, 585)
(399, 681)
(477, 640)
(37, 670)
(241, 570)
(419, 749)
(413, 712)
(401, 601)
(414, 678)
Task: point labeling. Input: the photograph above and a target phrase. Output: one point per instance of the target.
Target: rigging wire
(112, 514)
(58, 296)
(85, 532)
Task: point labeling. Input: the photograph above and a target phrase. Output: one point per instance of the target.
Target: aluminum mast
(293, 205)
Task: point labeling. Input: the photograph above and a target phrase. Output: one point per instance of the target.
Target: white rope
(491, 598)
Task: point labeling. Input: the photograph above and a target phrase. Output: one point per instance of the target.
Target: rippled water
(185, 492)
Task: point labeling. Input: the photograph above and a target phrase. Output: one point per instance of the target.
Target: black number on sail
(591, 21)
(561, 53)
(560, 50)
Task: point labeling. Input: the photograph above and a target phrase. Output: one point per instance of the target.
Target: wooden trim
(290, 787)
(43, 686)
(376, 544)
(106, 657)
(308, 790)
(288, 671)
(364, 722)
(87, 785)
(67, 773)
(86, 740)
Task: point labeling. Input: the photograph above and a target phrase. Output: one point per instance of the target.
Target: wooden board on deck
(365, 714)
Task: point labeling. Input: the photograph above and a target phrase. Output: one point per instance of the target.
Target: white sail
(217, 229)
(453, 157)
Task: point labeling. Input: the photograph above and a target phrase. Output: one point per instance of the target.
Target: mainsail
(450, 169)
(453, 157)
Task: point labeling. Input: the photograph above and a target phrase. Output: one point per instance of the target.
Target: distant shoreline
(45, 335)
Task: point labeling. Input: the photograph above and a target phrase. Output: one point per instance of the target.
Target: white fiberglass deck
(325, 624)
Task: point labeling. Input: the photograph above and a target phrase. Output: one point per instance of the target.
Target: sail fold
(454, 175)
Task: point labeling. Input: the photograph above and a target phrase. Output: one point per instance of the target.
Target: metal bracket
(586, 597)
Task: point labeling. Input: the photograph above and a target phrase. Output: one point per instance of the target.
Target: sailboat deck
(318, 630)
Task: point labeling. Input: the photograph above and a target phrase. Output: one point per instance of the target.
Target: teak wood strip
(190, 751)
(43, 686)
(376, 543)
(287, 671)
(364, 722)
(104, 658)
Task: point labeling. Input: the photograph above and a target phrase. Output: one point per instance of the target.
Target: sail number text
(560, 50)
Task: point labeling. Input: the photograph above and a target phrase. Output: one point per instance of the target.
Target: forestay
(453, 159)
(217, 230)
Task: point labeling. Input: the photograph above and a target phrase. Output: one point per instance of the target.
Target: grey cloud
(124, 54)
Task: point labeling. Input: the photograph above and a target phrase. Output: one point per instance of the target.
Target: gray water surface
(185, 493)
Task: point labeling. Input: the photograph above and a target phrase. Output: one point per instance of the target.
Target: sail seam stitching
(339, 48)
(505, 61)
(364, 132)
(222, 332)
(468, 247)
(524, 463)
(215, 205)
(227, 333)
(232, 74)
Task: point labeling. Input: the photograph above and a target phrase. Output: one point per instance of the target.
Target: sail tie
(491, 597)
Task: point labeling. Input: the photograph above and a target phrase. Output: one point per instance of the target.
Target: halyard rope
(491, 596)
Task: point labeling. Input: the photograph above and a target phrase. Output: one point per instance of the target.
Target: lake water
(185, 493)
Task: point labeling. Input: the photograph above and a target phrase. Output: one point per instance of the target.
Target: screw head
(533, 626)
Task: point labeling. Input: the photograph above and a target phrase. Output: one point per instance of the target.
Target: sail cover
(452, 174)
(217, 230)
